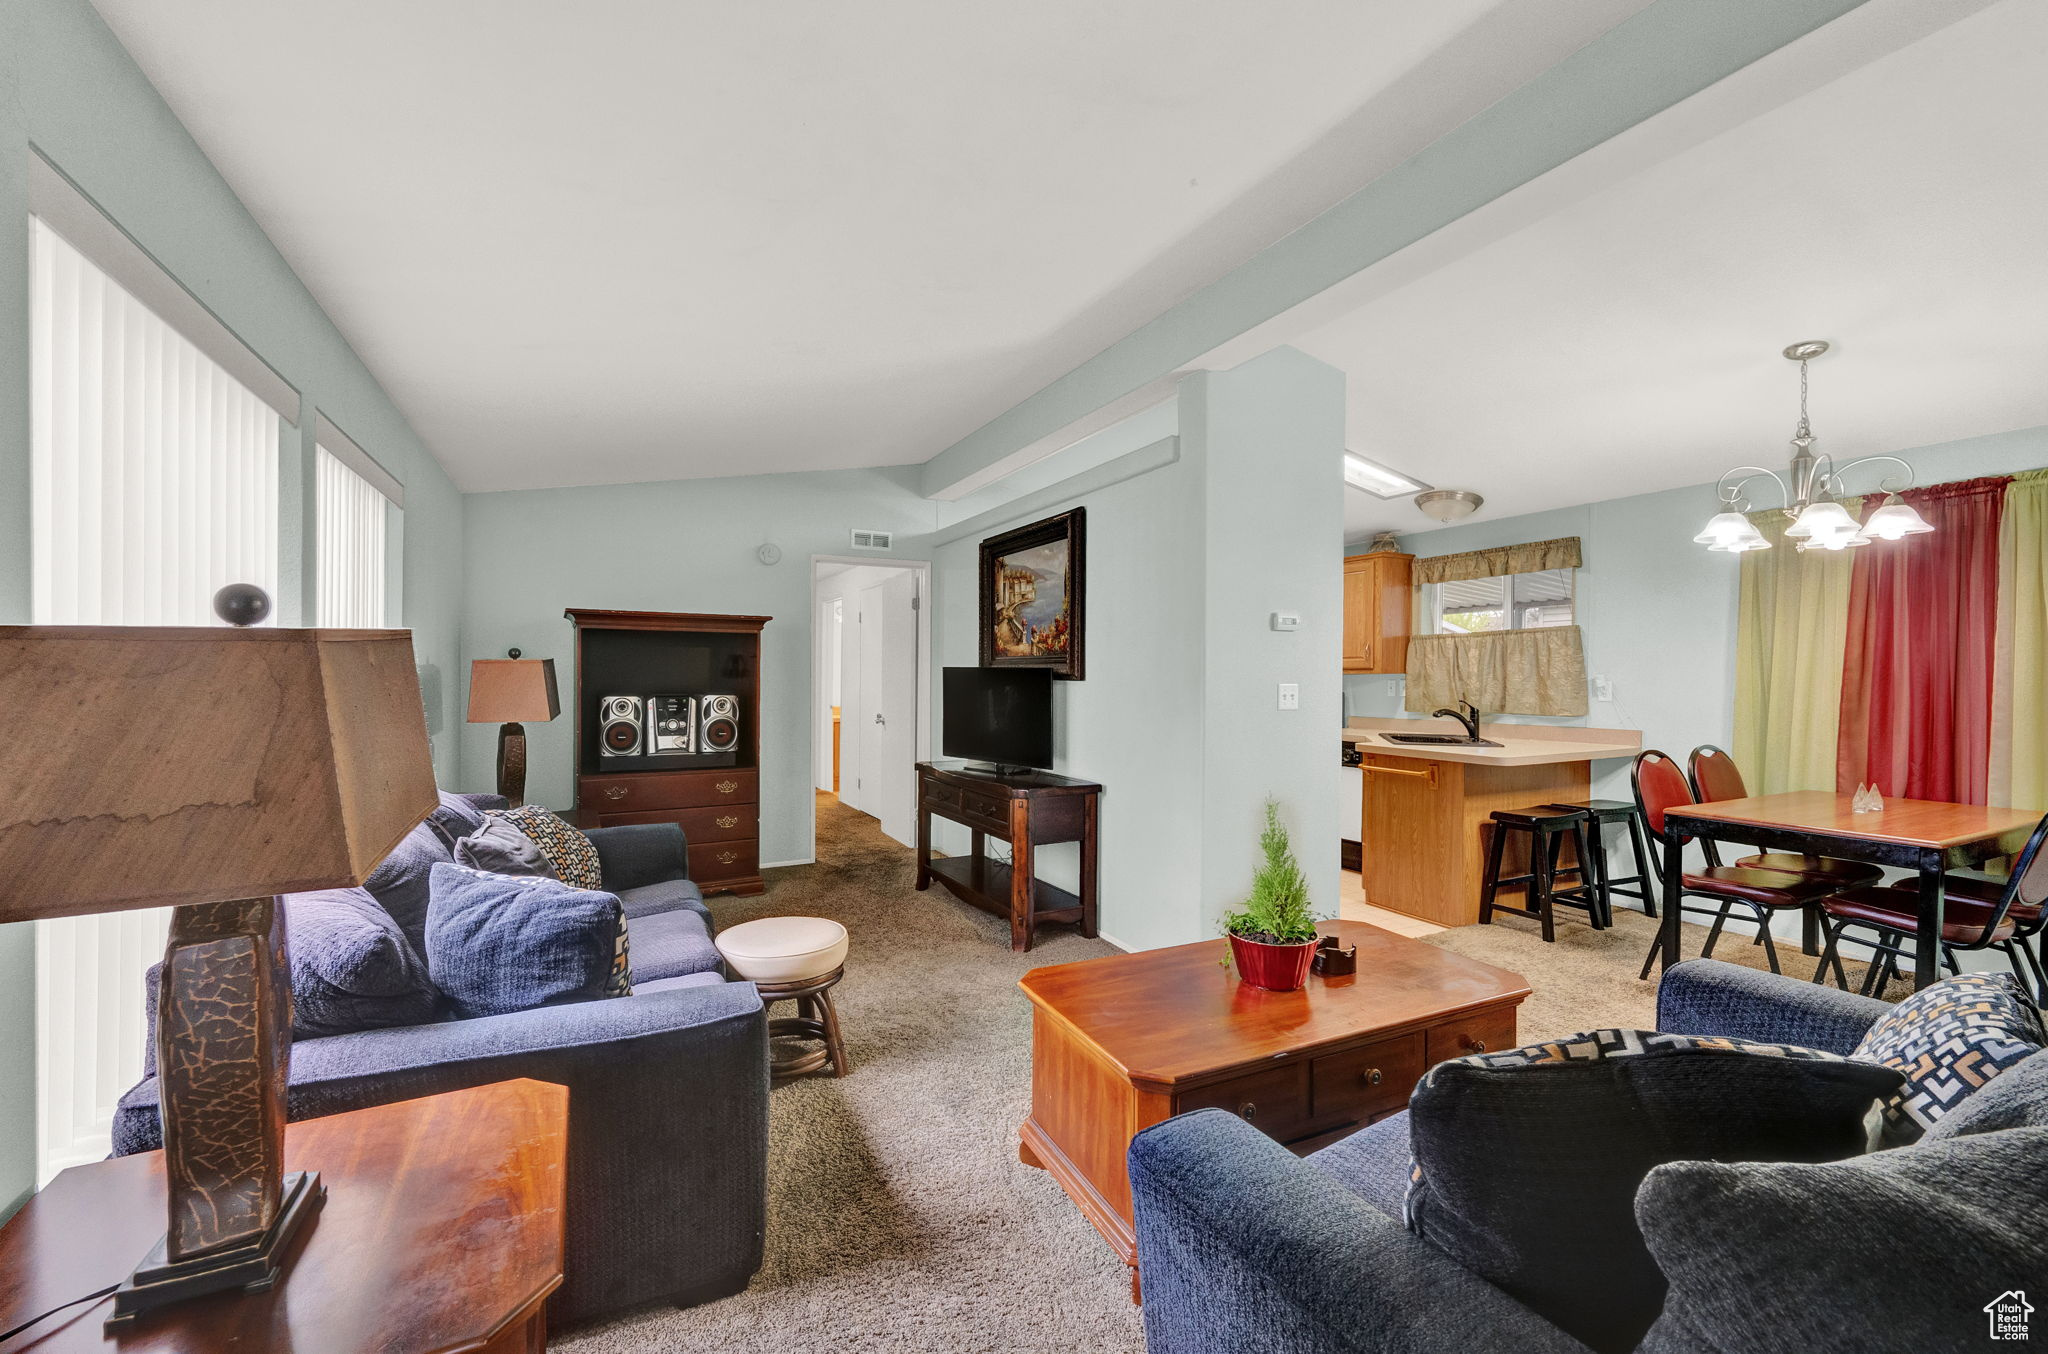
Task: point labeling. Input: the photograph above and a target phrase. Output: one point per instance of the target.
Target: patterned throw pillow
(568, 850)
(1527, 1161)
(1949, 1039)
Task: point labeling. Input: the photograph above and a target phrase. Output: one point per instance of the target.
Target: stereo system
(657, 726)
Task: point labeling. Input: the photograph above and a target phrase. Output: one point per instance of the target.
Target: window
(154, 483)
(351, 562)
(1531, 601)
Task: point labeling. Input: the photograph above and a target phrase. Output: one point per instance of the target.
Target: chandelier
(1818, 521)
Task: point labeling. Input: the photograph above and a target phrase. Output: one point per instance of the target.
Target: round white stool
(794, 959)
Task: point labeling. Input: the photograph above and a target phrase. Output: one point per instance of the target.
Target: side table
(442, 1231)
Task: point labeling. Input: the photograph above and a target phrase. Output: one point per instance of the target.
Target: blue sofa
(668, 1088)
(1244, 1247)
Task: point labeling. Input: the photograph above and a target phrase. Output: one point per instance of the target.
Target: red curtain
(1916, 676)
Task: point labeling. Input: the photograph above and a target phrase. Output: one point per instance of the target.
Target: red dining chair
(1659, 787)
(1714, 775)
(1980, 914)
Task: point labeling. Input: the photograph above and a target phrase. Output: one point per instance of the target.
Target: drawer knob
(727, 857)
(1248, 1111)
(1370, 1076)
(728, 820)
(614, 792)
(1474, 1045)
(726, 787)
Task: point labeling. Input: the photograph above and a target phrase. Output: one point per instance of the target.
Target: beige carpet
(899, 1218)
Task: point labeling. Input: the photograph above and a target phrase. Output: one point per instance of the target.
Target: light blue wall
(1177, 716)
(68, 88)
(1659, 612)
(678, 545)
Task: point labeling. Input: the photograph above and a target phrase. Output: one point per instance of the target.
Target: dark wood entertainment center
(713, 797)
(1026, 809)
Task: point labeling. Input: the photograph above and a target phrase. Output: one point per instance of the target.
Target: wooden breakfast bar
(1427, 808)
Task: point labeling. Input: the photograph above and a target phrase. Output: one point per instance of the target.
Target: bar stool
(797, 959)
(1602, 812)
(1547, 827)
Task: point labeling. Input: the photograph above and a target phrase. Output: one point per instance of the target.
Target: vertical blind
(154, 484)
(351, 545)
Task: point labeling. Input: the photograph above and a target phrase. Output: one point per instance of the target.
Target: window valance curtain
(1535, 557)
(1515, 672)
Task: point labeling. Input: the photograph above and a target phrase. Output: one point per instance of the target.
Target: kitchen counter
(1520, 744)
(1425, 822)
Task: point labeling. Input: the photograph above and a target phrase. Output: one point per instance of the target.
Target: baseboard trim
(1104, 935)
(785, 864)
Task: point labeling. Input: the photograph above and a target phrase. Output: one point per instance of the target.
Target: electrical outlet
(1290, 696)
(1603, 688)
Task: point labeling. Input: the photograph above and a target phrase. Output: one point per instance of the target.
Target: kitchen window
(1530, 601)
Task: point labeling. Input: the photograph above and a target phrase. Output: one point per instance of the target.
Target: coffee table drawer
(1367, 1080)
(1479, 1032)
(1274, 1101)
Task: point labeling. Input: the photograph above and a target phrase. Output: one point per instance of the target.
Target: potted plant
(1273, 935)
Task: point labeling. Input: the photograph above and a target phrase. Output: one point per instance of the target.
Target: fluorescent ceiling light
(1376, 479)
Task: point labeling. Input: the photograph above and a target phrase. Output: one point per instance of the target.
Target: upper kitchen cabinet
(1376, 611)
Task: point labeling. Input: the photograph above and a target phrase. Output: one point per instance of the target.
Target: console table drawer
(716, 861)
(1274, 1101)
(989, 815)
(1368, 1080)
(1479, 1032)
(667, 790)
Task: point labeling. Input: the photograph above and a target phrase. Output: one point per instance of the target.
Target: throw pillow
(568, 850)
(352, 967)
(455, 818)
(1949, 1039)
(499, 847)
(1911, 1249)
(498, 943)
(1526, 1162)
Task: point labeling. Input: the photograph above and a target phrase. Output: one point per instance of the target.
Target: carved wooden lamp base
(160, 1281)
(512, 763)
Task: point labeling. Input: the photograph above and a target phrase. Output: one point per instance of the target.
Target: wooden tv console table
(1028, 809)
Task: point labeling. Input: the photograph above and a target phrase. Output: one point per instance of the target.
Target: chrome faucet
(1469, 717)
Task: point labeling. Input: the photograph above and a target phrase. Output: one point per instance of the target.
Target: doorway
(870, 692)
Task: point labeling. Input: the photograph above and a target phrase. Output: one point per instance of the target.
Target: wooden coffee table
(1121, 1043)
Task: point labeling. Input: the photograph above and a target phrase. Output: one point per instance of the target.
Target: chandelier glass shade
(1808, 493)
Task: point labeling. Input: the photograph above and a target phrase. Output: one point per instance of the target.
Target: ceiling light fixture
(1819, 522)
(1448, 505)
(1376, 479)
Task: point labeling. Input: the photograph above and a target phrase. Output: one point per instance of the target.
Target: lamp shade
(149, 767)
(512, 691)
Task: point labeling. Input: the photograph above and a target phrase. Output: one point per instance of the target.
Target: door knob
(881, 721)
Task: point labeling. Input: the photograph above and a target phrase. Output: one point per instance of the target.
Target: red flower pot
(1277, 968)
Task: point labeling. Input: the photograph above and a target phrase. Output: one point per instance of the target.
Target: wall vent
(871, 540)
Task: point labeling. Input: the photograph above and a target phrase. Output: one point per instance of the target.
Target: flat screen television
(998, 715)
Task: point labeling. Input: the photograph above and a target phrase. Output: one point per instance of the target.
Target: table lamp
(208, 769)
(509, 692)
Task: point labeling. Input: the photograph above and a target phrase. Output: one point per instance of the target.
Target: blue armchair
(1245, 1247)
(668, 1088)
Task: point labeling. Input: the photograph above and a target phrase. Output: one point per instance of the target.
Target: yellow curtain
(1793, 626)
(1510, 672)
(1534, 557)
(2019, 674)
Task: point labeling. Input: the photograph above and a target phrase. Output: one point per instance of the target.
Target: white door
(851, 743)
(888, 657)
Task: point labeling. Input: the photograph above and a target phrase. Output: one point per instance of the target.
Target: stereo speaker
(621, 726)
(718, 723)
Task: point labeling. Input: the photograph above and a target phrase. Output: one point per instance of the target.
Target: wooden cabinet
(714, 797)
(1377, 605)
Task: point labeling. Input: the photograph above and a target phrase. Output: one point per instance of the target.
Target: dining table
(1926, 836)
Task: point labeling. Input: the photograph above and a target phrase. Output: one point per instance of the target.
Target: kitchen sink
(1440, 739)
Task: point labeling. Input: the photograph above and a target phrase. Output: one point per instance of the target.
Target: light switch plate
(1290, 696)
(1287, 620)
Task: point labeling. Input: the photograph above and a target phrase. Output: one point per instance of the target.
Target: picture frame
(1034, 596)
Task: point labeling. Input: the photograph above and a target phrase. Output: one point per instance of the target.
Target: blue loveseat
(668, 1088)
(1244, 1247)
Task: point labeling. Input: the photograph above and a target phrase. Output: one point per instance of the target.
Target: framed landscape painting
(1033, 596)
